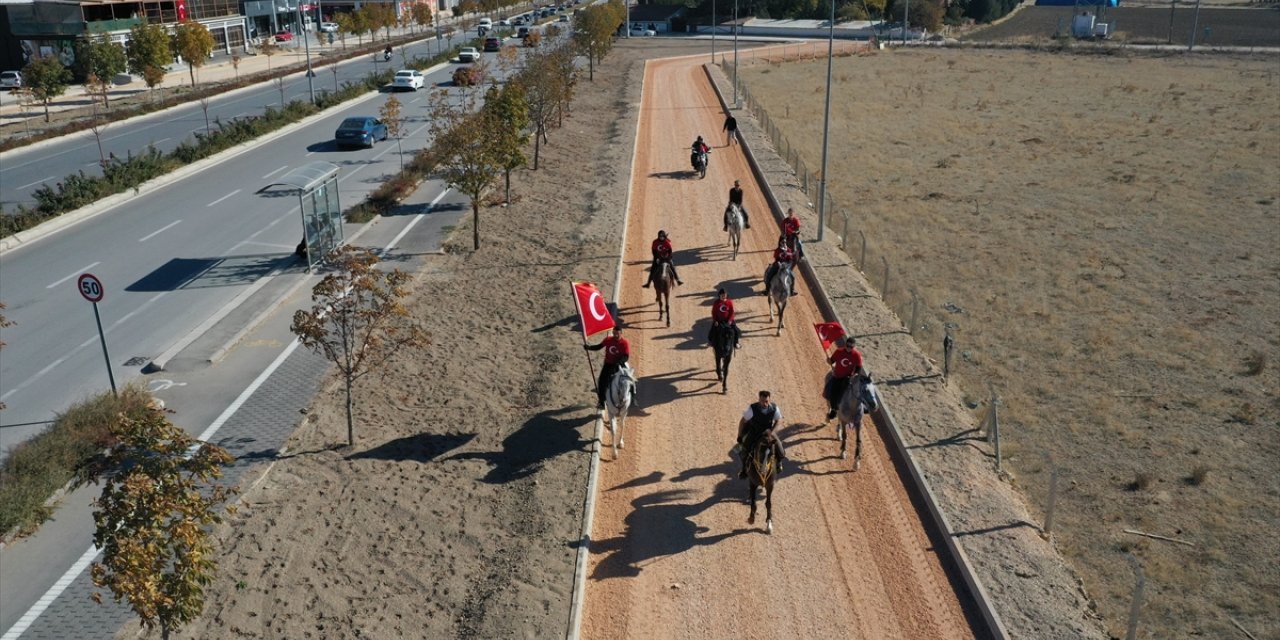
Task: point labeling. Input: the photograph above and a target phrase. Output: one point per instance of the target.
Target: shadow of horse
(658, 389)
(659, 525)
(546, 435)
(420, 447)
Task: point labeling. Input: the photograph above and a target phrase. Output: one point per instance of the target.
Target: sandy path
(673, 556)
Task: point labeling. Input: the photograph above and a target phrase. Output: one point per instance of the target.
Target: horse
(762, 471)
(858, 399)
(722, 342)
(617, 400)
(733, 217)
(662, 286)
(780, 293)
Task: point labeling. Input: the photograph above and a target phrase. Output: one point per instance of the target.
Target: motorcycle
(386, 55)
(700, 161)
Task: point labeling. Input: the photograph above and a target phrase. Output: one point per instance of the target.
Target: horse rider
(696, 148)
(845, 361)
(661, 250)
(791, 231)
(760, 420)
(616, 353)
(722, 316)
(781, 256)
(735, 197)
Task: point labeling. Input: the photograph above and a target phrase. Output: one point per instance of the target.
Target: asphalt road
(25, 170)
(168, 260)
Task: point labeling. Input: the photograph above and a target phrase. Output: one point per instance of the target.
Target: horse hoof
(622, 445)
(842, 455)
(857, 462)
(751, 519)
(768, 527)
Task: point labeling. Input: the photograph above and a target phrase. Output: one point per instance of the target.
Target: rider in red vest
(781, 256)
(722, 314)
(845, 362)
(698, 147)
(791, 232)
(616, 352)
(661, 249)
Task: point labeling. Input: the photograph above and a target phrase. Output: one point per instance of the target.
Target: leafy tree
(148, 52)
(421, 14)
(391, 115)
(347, 23)
(466, 6)
(194, 43)
(152, 521)
(510, 111)
(541, 81)
(268, 49)
(47, 79)
(358, 321)
(593, 32)
(925, 14)
(466, 152)
(98, 60)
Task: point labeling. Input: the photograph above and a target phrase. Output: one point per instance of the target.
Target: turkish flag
(592, 310)
(182, 10)
(828, 333)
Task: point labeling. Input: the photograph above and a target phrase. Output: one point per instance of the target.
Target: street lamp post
(826, 127)
(627, 27)
(735, 54)
(713, 31)
(306, 44)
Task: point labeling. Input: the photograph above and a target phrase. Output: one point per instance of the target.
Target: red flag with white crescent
(592, 311)
(828, 333)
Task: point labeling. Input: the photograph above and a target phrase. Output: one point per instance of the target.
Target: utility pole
(306, 43)
(1195, 24)
(735, 54)
(713, 31)
(826, 127)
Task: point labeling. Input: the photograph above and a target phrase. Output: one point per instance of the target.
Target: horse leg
(622, 423)
(840, 435)
(782, 306)
(768, 505)
(724, 382)
(857, 445)
(667, 296)
(751, 487)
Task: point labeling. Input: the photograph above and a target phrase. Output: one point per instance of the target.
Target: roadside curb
(884, 420)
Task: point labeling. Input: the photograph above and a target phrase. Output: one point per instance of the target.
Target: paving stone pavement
(254, 434)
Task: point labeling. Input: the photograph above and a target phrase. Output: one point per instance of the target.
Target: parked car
(504, 23)
(468, 54)
(638, 31)
(284, 36)
(564, 17)
(10, 79)
(492, 44)
(329, 27)
(360, 131)
(408, 79)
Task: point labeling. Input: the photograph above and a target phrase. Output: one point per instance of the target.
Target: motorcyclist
(661, 250)
(781, 256)
(386, 53)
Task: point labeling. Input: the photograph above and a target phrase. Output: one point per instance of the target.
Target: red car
(284, 36)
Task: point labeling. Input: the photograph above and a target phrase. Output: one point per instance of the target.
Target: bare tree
(391, 115)
(467, 154)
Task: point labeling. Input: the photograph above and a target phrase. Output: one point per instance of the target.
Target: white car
(637, 31)
(409, 79)
(328, 27)
(10, 79)
(504, 23)
(468, 54)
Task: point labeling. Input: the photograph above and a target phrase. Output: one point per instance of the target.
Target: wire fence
(923, 316)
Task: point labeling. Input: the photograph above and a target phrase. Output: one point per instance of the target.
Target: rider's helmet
(698, 140)
(662, 235)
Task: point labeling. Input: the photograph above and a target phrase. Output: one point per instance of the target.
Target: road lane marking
(223, 198)
(155, 142)
(49, 596)
(159, 231)
(416, 219)
(276, 171)
(32, 184)
(73, 275)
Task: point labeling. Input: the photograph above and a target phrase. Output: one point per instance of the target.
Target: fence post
(995, 431)
(1136, 607)
(844, 235)
(915, 307)
(948, 344)
(862, 261)
(1047, 532)
(884, 293)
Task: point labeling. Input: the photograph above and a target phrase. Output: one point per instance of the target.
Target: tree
(347, 23)
(421, 14)
(510, 111)
(98, 60)
(541, 82)
(926, 14)
(358, 321)
(593, 32)
(47, 79)
(390, 114)
(152, 521)
(465, 150)
(148, 52)
(194, 44)
(268, 49)
(4, 322)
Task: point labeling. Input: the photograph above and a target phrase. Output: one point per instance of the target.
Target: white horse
(780, 293)
(733, 218)
(859, 399)
(622, 388)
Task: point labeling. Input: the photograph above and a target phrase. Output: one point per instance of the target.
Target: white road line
(161, 140)
(76, 569)
(32, 184)
(416, 219)
(415, 131)
(276, 171)
(242, 113)
(73, 275)
(159, 231)
(223, 198)
(389, 149)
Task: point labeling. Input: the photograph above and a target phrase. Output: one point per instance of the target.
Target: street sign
(90, 287)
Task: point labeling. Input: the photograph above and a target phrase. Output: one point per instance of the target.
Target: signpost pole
(103, 338)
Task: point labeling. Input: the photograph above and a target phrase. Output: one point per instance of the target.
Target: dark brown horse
(663, 283)
(762, 470)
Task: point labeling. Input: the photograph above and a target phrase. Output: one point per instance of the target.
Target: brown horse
(663, 283)
(762, 470)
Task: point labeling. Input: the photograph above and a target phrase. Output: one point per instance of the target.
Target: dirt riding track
(673, 556)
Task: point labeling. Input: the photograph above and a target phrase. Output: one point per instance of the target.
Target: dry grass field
(1102, 235)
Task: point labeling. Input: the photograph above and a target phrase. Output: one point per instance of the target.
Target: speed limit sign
(90, 287)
